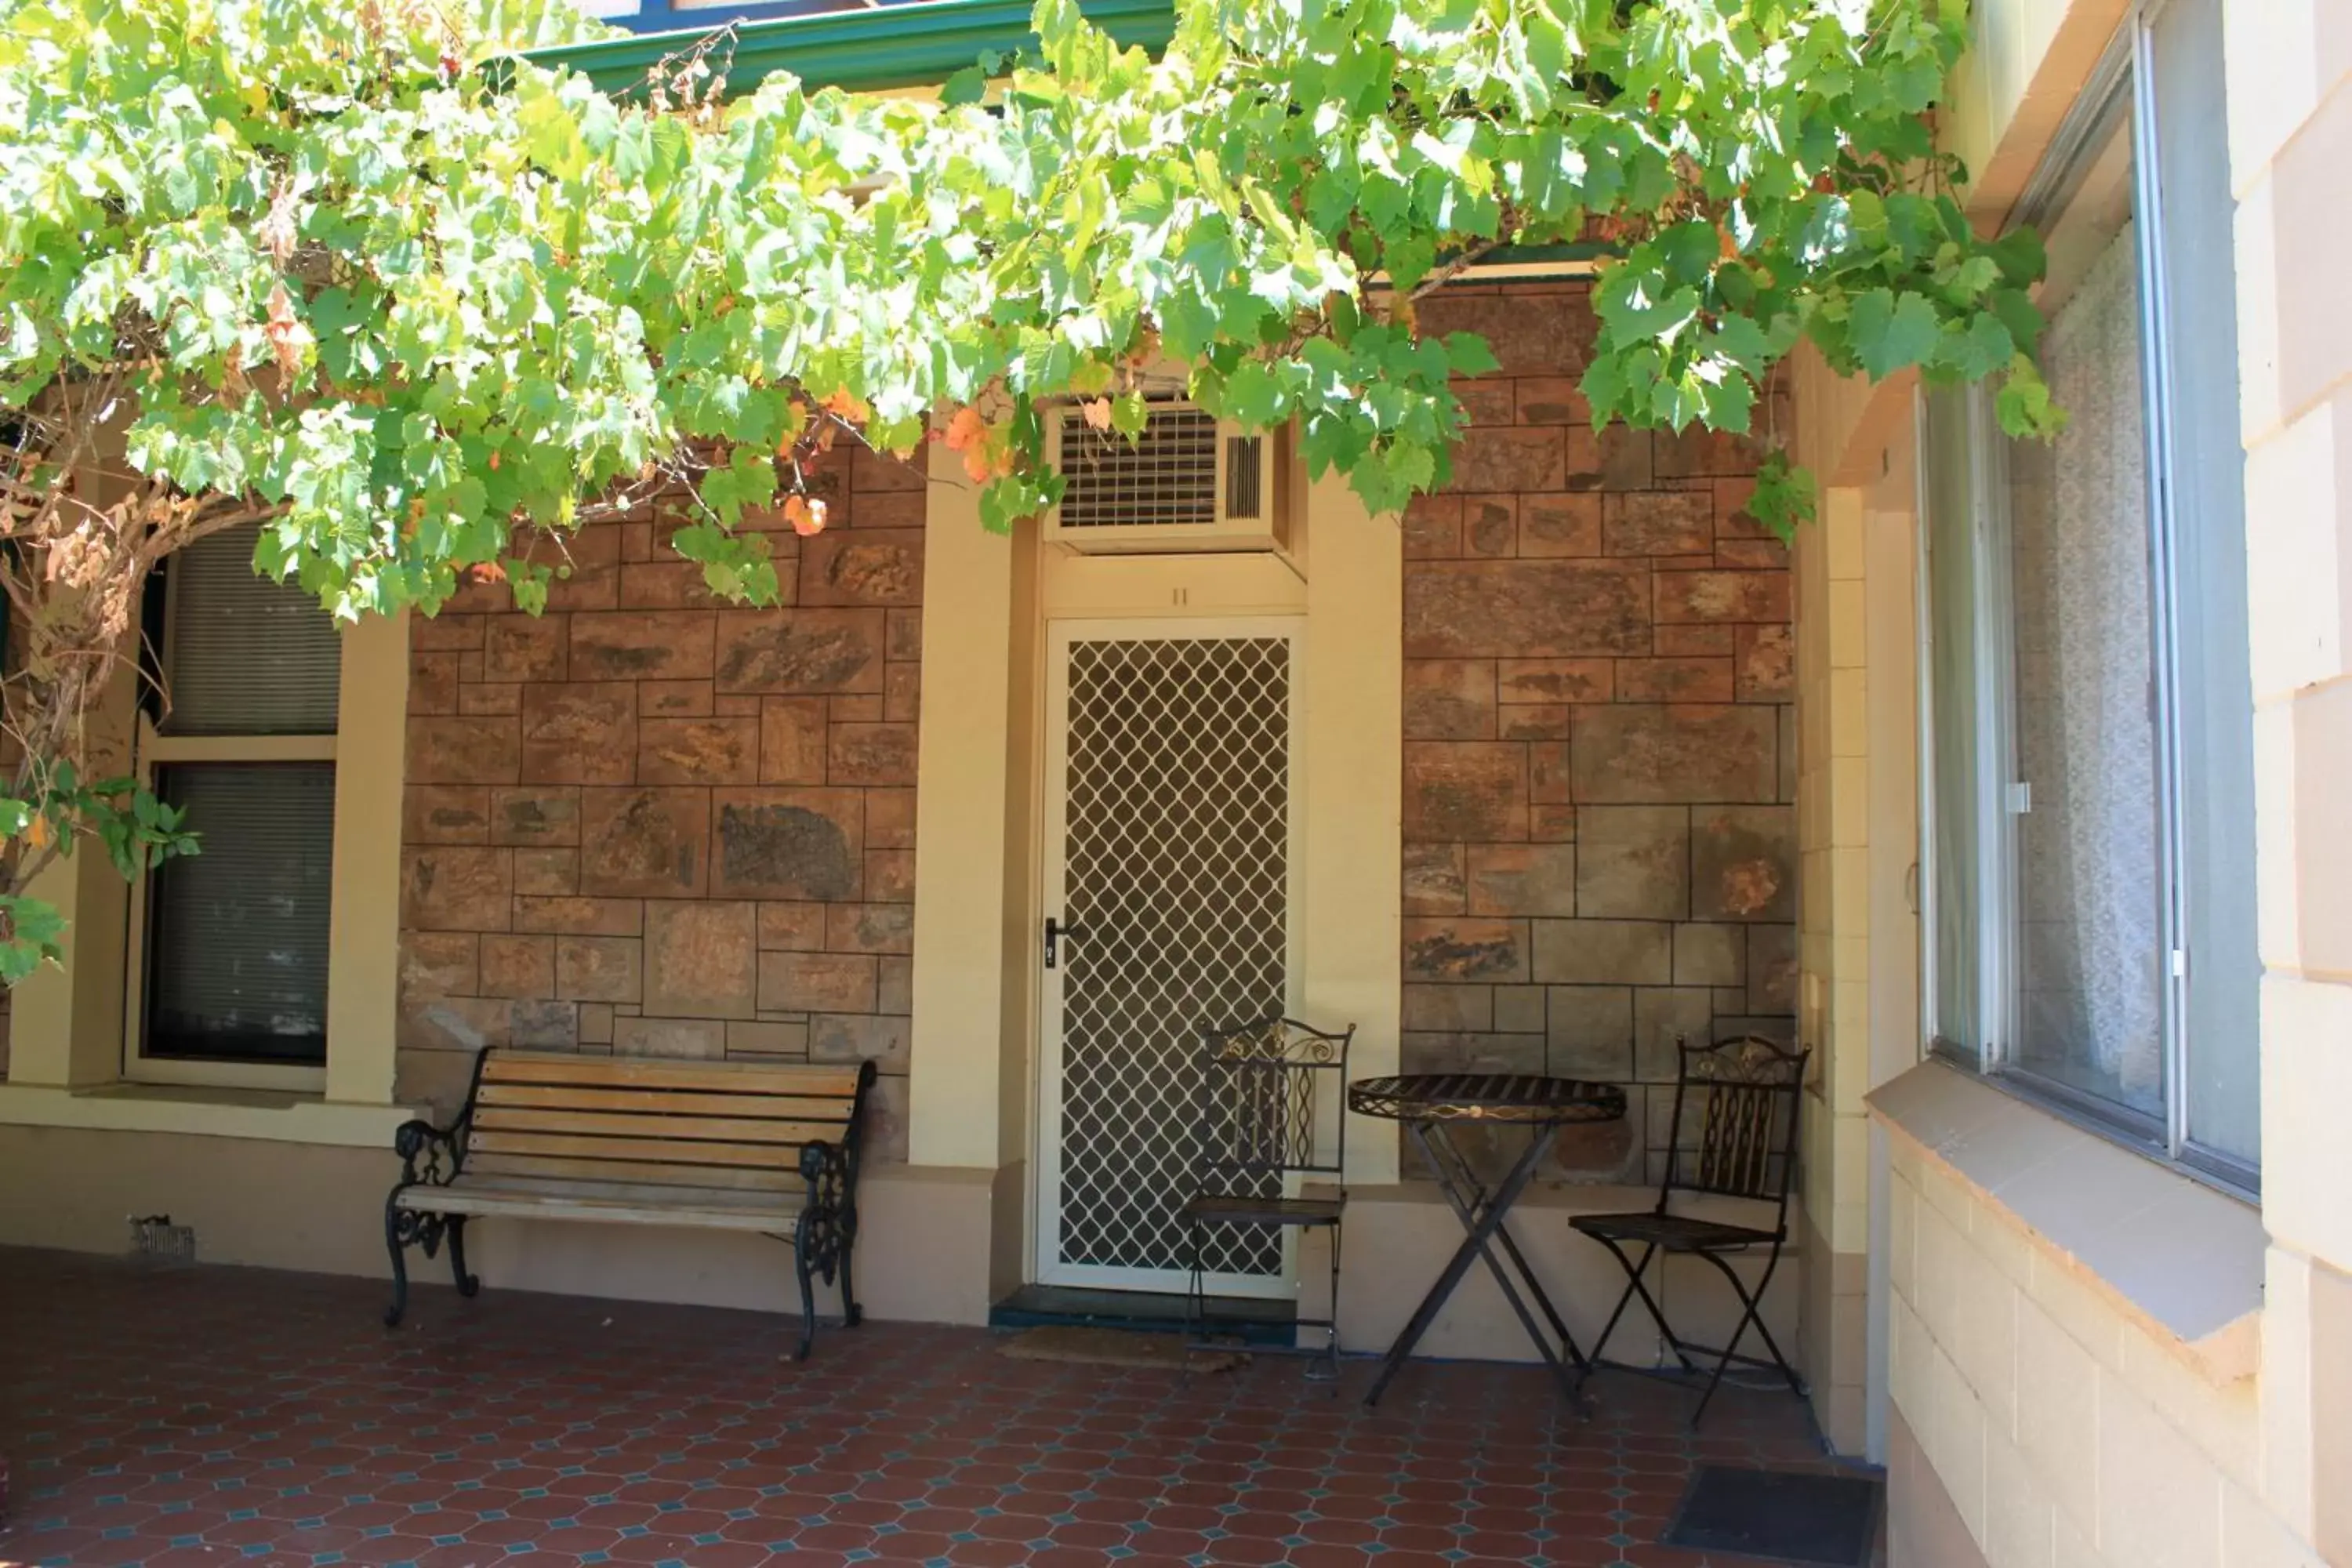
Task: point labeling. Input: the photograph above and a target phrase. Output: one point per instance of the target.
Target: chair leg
(1635, 1287)
(1751, 1313)
(1335, 1303)
(1196, 1288)
(467, 1284)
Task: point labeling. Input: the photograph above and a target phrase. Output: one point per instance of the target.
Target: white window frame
(2125, 77)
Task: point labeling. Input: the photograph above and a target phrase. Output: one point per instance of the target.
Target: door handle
(1055, 934)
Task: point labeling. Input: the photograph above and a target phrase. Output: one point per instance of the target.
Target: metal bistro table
(1430, 1105)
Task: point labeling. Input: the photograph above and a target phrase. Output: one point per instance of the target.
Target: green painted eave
(859, 51)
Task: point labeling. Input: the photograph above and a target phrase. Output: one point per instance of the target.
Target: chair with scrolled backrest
(1271, 1108)
(1734, 1136)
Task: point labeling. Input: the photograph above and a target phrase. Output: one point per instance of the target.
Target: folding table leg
(1481, 1225)
(1471, 1183)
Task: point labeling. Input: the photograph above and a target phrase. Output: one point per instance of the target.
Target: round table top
(1486, 1097)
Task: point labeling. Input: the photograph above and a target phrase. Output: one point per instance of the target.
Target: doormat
(1116, 1347)
(1787, 1516)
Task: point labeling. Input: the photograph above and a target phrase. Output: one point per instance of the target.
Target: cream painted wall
(922, 1242)
(2059, 1429)
(2289, 66)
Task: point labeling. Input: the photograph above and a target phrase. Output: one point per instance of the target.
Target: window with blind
(235, 936)
(244, 654)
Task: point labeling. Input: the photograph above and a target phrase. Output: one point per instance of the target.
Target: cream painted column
(65, 1023)
(363, 910)
(2290, 125)
(957, 1042)
(1351, 710)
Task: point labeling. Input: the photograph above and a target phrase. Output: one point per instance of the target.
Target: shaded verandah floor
(204, 1414)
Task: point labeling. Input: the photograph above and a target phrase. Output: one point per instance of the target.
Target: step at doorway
(1258, 1320)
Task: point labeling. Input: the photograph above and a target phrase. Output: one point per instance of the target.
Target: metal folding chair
(1272, 1109)
(1741, 1095)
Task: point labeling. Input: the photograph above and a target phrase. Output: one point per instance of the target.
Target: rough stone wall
(651, 822)
(1600, 758)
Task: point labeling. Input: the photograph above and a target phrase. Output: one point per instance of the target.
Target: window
(2088, 714)
(230, 944)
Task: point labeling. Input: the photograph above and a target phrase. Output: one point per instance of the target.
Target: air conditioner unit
(1190, 483)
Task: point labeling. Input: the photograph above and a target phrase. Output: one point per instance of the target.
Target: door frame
(1060, 634)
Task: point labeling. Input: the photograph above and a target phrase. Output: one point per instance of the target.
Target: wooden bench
(769, 1148)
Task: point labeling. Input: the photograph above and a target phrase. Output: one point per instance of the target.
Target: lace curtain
(2088, 869)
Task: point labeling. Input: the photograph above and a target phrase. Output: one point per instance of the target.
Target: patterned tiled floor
(207, 1416)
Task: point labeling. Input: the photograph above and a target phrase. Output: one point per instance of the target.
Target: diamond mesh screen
(1176, 845)
(1168, 475)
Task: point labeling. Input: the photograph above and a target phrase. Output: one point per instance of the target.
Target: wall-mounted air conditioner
(1190, 483)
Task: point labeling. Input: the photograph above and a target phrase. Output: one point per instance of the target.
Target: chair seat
(1237, 1208)
(1674, 1232)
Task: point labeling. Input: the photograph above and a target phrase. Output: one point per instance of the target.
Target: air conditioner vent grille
(1241, 461)
(1169, 476)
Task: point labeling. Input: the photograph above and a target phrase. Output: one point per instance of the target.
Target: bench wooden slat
(625, 1124)
(619, 1202)
(772, 1179)
(659, 1151)
(681, 1102)
(823, 1079)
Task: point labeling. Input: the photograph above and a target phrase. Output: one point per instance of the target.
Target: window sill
(276, 1116)
(2180, 1258)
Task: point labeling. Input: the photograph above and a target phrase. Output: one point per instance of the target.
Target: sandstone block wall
(1599, 757)
(650, 822)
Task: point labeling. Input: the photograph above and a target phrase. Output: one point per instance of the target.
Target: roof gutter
(884, 47)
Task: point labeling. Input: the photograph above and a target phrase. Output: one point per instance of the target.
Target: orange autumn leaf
(1098, 413)
(977, 466)
(847, 405)
(283, 330)
(805, 513)
(491, 571)
(965, 429)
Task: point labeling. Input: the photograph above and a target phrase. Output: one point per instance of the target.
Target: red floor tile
(223, 1416)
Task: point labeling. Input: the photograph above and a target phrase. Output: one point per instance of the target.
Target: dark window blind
(246, 656)
(237, 938)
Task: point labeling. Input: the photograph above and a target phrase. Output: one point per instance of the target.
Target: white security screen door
(1168, 874)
